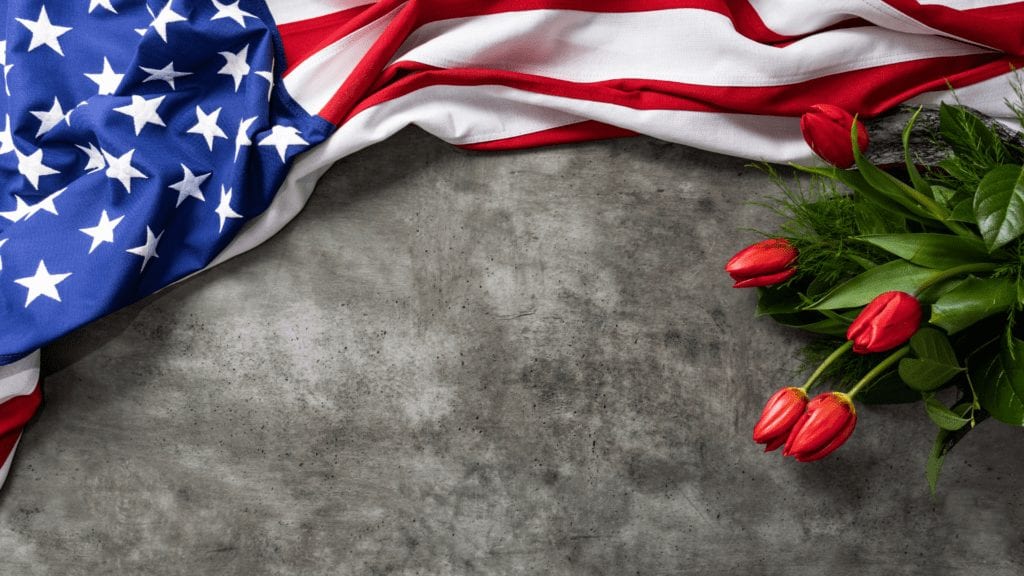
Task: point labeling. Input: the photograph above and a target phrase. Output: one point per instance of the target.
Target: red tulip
(827, 423)
(763, 264)
(826, 128)
(888, 321)
(780, 413)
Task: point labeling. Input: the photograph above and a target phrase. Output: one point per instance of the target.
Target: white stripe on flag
(799, 17)
(967, 4)
(682, 45)
(19, 378)
(315, 80)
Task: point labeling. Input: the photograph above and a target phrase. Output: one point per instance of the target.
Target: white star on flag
(242, 138)
(267, 75)
(121, 169)
(31, 167)
(224, 209)
(21, 209)
(48, 118)
(107, 80)
(96, 161)
(42, 284)
(206, 126)
(166, 74)
(44, 33)
(45, 205)
(67, 117)
(236, 66)
(102, 232)
(105, 4)
(142, 31)
(231, 11)
(143, 112)
(166, 16)
(7, 67)
(281, 137)
(189, 186)
(147, 250)
(6, 138)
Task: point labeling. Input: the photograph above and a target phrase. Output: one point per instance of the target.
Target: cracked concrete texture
(461, 363)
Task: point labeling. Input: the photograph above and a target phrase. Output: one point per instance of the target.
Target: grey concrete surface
(460, 363)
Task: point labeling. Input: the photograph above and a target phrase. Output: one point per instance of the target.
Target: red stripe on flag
(870, 91)
(579, 132)
(17, 411)
(7, 443)
(14, 414)
(301, 44)
(999, 27)
(306, 37)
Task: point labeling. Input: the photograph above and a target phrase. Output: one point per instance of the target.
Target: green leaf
(997, 374)
(935, 459)
(930, 250)
(915, 177)
(944, 417)
(945, 440)
(925, 375)
(964, 211)
(888, 389)
(886, 184)
(814, 323)
(931, 344)
(946, 197)
(861, 289)
(972, 300)
(776, 300)
(968, 134)
(999, 205)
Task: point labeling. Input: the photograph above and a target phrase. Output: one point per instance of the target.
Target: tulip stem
(954, 272)
(824, 365)
(878, 370)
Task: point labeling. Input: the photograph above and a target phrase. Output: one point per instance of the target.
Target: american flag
(144, 141)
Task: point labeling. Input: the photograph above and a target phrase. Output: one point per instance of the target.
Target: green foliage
(935, 364)
(952, 235)
(936, 251)
(821, 222)
(972, 300)
(999, 205)
(997, 372)
(858, 291)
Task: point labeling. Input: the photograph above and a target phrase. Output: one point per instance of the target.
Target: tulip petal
(768, 280)
(762, 264)
(826, 129)
(831, 446)
(774, 444)
(885, 323)
(826, 417)
(781, 411)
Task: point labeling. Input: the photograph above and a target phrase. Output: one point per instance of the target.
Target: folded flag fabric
(144, 141)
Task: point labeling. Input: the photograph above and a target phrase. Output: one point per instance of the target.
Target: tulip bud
(763, 264)
(827, 423)
(826, 128)
(888, 321)
(780, 413)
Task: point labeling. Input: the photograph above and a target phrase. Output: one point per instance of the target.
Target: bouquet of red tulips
(912, 276)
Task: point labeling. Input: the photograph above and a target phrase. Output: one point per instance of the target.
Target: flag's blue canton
(138, 138)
